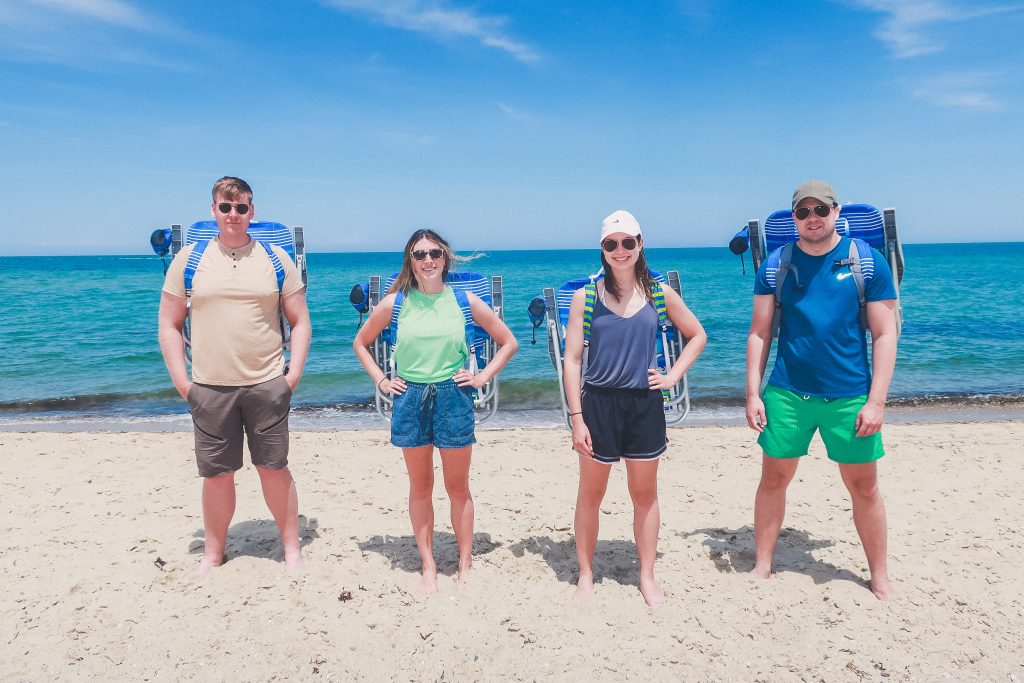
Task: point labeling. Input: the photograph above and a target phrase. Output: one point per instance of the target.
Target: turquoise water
(80, 333)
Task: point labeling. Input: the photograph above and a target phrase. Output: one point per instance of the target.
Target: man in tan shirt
(239, 384)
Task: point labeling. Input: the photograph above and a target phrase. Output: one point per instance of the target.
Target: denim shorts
(440, 414)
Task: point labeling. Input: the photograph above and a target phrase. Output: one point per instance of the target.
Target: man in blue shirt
(823, 379)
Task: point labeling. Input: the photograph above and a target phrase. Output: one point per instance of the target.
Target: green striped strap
(659, 303)
(589, 299)
(660, 307)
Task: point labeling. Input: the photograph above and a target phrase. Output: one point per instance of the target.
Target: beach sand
(102, 533)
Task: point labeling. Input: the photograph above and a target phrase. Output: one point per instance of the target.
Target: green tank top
(431, 337)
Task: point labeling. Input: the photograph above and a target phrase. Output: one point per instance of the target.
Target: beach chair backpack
(661, 341)
(190, 272)
(779, 264)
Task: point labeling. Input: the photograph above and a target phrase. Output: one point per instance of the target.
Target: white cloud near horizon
(904, 28)
(436, 19)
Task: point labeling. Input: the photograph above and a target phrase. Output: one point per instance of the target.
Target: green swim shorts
(793, 418)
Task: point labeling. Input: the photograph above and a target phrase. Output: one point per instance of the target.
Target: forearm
(694, 347)
(883, 364)
(368, 363)
(301, 335)
(757, 359)
(572, 378)
(500, 360)
(172, 348)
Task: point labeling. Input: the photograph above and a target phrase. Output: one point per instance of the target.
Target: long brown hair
(643, 276)
(406, 279)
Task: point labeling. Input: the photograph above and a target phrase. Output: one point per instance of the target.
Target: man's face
(238, 216)
(814, 228)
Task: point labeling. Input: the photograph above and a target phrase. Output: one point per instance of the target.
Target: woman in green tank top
(433, 390)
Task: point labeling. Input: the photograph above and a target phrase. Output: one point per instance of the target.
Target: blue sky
(504, 125)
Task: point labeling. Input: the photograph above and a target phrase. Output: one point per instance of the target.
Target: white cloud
(437, 20)
(906, 23)
(106, 11)
(518, 114)
(960, 90)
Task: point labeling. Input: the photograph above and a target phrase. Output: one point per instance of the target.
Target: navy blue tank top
(621, 349)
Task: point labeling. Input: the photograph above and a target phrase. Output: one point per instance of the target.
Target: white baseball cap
(620, 221)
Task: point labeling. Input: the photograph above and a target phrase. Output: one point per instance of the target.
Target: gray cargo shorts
(221, 415)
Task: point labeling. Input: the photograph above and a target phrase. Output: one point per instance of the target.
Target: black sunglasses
(435, 254)
(225, 208)
(820, 210)
(628, 243)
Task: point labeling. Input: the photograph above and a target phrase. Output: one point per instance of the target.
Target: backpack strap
(467, 314)
(276, 262)
(782, 260)
(589, 299)
(191, 266)
(862, 266)
(658, 293)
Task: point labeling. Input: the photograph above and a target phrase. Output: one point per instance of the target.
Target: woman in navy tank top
(616, 404)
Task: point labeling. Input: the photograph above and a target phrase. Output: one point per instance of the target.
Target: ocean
(80, 347)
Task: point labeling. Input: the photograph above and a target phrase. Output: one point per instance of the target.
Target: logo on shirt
(843, 276)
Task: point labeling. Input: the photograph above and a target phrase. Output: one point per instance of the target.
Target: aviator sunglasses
(435, 254)
(820, 210)
(610, 245)
(225, 208)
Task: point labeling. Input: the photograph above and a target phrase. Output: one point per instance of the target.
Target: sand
(102, 532)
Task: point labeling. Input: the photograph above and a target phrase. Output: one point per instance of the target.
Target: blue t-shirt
(822, 350)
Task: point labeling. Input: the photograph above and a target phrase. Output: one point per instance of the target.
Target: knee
(772, 481)
(591, 495)
(457, 490)
(421, 489)
(644, 497)
(863, 489)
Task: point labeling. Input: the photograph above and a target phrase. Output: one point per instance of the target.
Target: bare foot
(208, 563)
(761, 572)
(462, 577)
(428, 584)
(652, 594)
(584, 587)
(881, 587)
(293, 561)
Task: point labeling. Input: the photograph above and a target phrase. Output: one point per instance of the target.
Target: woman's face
(624, 252)
(427, 260)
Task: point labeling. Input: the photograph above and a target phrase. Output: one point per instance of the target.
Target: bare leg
(593, 484)
(642, 476)
(283, 501)
(869, 517)
(770, 510)
(419, 462)
(218, 509)
(455, 465)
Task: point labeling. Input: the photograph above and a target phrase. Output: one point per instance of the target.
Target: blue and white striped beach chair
(366, 296)
(169, 241)
(552, 309)
(876, 228)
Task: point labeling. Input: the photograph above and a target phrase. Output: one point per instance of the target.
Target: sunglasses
(435, 254)
(225, 208)
(628, 243)
(820, 210)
